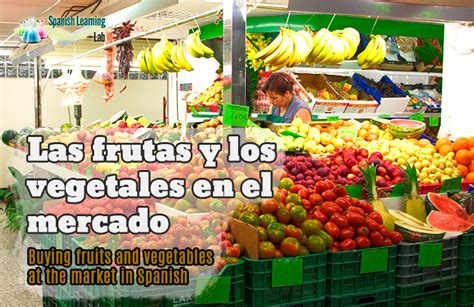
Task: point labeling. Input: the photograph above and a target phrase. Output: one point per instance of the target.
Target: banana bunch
(289, 48)
(145, 62)
(196, 47)
(178, 58)
(161, 52)
(333, 47)
(374, 53)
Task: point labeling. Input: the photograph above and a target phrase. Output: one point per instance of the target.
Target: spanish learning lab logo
(31, 30)
(76, 21)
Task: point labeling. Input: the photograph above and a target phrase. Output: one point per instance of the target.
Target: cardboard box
(360, 106)
(320, 82)
(393, 105)
(247, 235)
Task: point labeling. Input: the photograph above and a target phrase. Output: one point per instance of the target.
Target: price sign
(351, 132)
(398, 190)
(333, 118)
(452, 185)
(374, 260)
(252, 124)
(314, 117)
(430, 254)
(384, 115)
(213, 290)
(434, 121)
(354, 191)
(236, 115)
(287, 272)
(186, 87)
(417, 116)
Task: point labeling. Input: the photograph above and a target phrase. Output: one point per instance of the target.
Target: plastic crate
(379, 298)
(412, 290)
(344, 277)
(466, 245)
(437, 298)
(259, 290)
(465, 296)
(465, 279)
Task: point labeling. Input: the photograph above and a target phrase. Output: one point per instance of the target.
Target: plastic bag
(76, 88)
(102, 76)
(61, 82)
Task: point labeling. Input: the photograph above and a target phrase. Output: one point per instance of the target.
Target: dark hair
(278, 83)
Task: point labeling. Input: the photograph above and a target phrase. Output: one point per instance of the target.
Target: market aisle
(13, 291)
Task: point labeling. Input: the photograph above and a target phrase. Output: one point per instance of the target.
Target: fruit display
(414, 230)
(347, 91)
(462, 150)
(196, 47)
(210, 96)
(413, 204)
(445, 214)
(374, 53)
(385, 88)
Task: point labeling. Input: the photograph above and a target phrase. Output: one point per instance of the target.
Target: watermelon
(405, 128)
(9, 137)
(447, 222)
(444, 204)
(412, 229)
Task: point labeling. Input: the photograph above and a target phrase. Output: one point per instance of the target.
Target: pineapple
(413, 204)
(369, 173)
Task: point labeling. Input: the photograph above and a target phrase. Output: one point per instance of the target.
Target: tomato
(278, 254)
(290, 247)
(286, 183)
(340, 220)
(334, 249)
(329, 195)
(262, 233)
(395, 236)
(321, 216)
(362, 242)
(315, 244)
(387, 242)
(280, 195)
(269, 205)
(336, 245)
(293, 198)
(294, 232)
(348, 244)
(283, 215)
(304, 193)
(303, 251)
(340, 190)
(355, 219)
(331, 184)
(321, 186)
(376, 238)
(328, 208)
(332, 229)
(298, 214)
(371, 224)
(366, 207)
(306, 204)
(315, 199)
(233, 251)
(296, 188)
(266, 250)
(343, 203)
(384, 231)
(376, 217)
(356, 210)
(347, 233)
(276, 232)
(311, 227)
(363, 231)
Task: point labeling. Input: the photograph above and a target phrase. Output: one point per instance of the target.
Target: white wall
(17, 106)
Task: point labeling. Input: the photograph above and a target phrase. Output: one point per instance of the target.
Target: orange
(423, 143)
(461, 143)
(470, 176)
(463, 171)
(471, 167)
(471, 141)
(463, 156)
(472, 151)
(445, 149)
(441, 142)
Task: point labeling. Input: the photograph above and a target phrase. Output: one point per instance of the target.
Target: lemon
(330, 148)
(426, 181)
(449, 164)
(444, 177)
(418, 165)
(450, 155)
(426, 170)
(441, 166)
(401, 161)
(422, 176)
(433, 168)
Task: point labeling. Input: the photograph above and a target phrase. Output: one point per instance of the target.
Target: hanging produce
(105, 75)
(61, 82)
(195, 46)
(124, 50)
(75, 89)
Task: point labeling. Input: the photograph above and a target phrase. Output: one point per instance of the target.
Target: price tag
(252, 124)
(236, 115)
(430, 254)
(354, 191)
(452, 185)
(333, 118)
(212, 290)
(287, 272)
(398, 190)
(374, 260)
(434, 121)
(384, 115)
(351, 132)
(314, 117)
(417, 116)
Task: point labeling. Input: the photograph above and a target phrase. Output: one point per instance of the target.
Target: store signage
(185, 87)
(99, 37)
(280, 269)
(333, 118)
(398, 190)
(236, 115)
(374, 260)
(354, 191)
(452, 185)
(434, 121)
(430, 254)
(351, 132)
(417, 116)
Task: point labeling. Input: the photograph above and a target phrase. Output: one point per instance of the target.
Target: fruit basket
(259, 289)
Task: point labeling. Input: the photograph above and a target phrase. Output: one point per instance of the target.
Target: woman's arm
(304, 114)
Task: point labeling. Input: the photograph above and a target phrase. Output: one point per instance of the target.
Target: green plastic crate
(465, 296)
(344, 276)
(379, 298)
(466, 245)
(407, 291)
(465, 279)
(259, 290)
(437, 298)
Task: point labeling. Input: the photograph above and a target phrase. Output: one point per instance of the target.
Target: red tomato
(340, 190)
(384, 230)
(328, 208)
(371, 224)
(387, 242)
(355, 219)
(332, 229)
(233, 251)
(376, 238)
(376, 217)
(362, 242)
(356, 210)
(306, 204)
(295, 188)
(366, 207)
(336, 244)
(395, 236)
(347, 234)
(315, 199)
(363, 231)
(334, 249)
(321, 216)
(303, 193)
(329, 195)
(348, 244)
(321, 186)
(340, 220)
(331, 184)
(343, 203)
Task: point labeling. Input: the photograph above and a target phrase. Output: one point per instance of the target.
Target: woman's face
(278, 100)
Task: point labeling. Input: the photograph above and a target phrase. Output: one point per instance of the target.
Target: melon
(9, 137)
(405, 128)
(443, 204)
(412, 233)
(447, 222)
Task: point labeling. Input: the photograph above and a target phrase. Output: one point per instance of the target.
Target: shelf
(370, 115)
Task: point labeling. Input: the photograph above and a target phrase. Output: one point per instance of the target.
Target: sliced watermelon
(442, 203)
(447, 222)
(471, 219)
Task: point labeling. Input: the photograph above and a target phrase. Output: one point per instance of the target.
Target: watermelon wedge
(471, 219)
(442, 203)
(448, 222)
